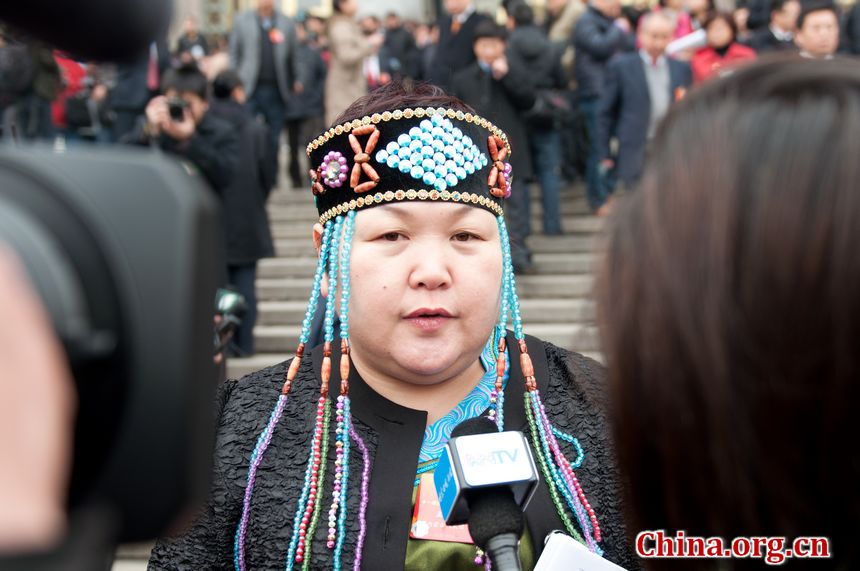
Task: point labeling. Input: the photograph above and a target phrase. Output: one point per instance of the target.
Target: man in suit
(501, 91)
(640, 87)
(599, 34)
(779, 35)
(263, 52)
(456, 37)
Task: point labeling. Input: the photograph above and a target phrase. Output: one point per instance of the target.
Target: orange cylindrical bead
(526, 365)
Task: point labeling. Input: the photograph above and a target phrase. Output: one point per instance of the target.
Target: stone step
(284, 313)
(571, 224)
(305, 266)
(568, 243)
(575, 336)
(537, 286)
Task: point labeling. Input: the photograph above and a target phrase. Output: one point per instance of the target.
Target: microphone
(486, 478)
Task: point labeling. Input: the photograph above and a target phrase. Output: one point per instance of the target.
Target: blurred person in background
(500, 90)
(600, 34)
(778, 36)
(263, 50)
(699, 11)
(305, 111)
(33, 104)
(454, 49)
(179, 122)
(426, 42)
(818, 31)
(400, 48)
(248, 237)
(137, 82)
(640, 88)
(530, 49)
(723, 52)
(349, 46)
(681, 19)
(730, 315)
(191, 41)
(377, 64)
(852, 30)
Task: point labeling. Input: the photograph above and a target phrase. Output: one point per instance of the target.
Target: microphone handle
(503, 550)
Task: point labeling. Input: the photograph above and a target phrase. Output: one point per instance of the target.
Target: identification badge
(276, 36)
(427, 522)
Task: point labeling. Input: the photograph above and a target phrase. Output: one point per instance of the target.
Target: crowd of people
(306, 72)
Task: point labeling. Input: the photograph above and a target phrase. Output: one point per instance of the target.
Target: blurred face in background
(655, 33)
(456, 7)
(819, 36)
(741, 16)
(786, 17)
(488, 50)
(349, 7)
(266, 6)
(698, 7)
(190, 26)
(720, 34)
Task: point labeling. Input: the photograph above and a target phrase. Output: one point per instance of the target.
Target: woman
(348, 47)
(723, 52)
(414, 256)
(731, 316)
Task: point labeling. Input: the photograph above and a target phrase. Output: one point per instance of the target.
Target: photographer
(179, 122)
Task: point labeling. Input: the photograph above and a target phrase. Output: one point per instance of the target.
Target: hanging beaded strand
(497, 397)
(337, 511)
(265, 437)
(557, 470)
(307, 513)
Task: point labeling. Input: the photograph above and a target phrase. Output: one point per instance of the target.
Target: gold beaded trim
(398, 114)
(411, 194)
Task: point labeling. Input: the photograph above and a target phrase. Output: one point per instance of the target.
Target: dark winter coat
(454, 52)
(573, 389)
(596, 39)
(502, 102)
(246, 224)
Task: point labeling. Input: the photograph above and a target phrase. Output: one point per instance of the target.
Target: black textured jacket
(571, 386)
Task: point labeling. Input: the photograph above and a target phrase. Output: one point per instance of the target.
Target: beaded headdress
(404, 155)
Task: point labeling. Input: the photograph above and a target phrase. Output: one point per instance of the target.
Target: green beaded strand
(318, 507)
(550, 483)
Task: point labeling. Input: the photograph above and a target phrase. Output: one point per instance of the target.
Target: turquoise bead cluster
(434, 152)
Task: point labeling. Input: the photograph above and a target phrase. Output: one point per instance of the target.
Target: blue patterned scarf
(477, 401)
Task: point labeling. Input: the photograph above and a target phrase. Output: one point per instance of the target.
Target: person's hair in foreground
(730, 313)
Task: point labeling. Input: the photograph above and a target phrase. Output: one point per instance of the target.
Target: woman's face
(719, 34)
(425, 288)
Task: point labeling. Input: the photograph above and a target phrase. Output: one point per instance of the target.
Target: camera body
(118, 245)
(177, 106)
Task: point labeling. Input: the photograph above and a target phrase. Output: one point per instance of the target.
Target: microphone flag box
(481, 461)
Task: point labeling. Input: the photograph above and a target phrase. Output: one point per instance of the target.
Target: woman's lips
(428, 320)
(428, 323)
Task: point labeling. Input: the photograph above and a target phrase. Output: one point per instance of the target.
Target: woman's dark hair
(401, 95)
(337, 5)
(730, 312)
(725, 17)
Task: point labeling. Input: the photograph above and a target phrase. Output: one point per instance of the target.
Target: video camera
(118, 243)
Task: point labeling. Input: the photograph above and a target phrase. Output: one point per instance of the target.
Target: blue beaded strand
(349, 229)
(313, 301)
(332, 279)
(580, 454)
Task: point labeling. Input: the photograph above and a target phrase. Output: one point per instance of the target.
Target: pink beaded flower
(333, 169)
(507, 174)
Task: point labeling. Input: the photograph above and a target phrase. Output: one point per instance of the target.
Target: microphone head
(473, 426)
(494, 512)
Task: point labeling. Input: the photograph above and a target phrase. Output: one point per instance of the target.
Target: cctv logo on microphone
(494, 458)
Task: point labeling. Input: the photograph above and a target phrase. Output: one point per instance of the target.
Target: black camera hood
(121, 246)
